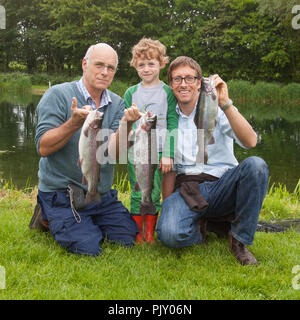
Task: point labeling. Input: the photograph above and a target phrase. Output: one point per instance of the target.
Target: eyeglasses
(102, 66)
(187, 80)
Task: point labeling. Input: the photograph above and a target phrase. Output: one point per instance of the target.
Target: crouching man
(223, 186)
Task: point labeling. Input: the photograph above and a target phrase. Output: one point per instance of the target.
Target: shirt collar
(105, 98)
(183, 115)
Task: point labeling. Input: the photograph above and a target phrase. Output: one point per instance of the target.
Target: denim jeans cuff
(241, 239)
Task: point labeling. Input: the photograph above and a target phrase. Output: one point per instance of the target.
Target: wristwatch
(227, 105)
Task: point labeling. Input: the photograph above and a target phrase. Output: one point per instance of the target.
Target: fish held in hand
(206, 117)
(145, 160)
(88, 145)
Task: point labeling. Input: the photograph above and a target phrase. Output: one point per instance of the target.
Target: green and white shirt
(161, 101)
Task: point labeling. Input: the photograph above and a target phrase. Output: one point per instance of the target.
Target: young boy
(152, 94)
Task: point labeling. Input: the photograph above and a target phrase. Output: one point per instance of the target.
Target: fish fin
(137, 187)
(86, 132)
(212, 140)
(205, 157)
(131, 143)
(84, 180)
(147, 208)
(92, 197)
(79, 162)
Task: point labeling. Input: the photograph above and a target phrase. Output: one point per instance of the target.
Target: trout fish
(88, 145)
(145, 160)
(205, 117)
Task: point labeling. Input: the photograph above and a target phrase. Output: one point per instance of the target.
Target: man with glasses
(61, 114)
(222, 184)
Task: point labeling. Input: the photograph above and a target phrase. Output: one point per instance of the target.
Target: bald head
(100, 47)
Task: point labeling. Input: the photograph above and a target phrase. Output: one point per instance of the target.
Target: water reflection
(278, 129)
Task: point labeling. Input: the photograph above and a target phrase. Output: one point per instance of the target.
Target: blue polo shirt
(61, 168)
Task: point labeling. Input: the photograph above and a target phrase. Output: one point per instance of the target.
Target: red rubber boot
(140, 223)
(150, 223)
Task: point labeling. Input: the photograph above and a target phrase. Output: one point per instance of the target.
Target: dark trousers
(108, 219)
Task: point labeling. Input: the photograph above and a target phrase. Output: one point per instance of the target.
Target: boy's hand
(131, 114)
(166, 164)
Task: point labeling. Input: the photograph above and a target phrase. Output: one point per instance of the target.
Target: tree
(287, 58)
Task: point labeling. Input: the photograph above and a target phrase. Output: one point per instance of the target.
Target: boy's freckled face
(148, 70)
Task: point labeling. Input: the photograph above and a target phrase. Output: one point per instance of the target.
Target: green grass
(37, 268)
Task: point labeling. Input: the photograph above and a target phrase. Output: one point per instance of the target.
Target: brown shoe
(240, 251)
(37, 221)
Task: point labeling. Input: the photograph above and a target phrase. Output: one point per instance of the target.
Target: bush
(44, 79)
(15, 82)
(119, 87)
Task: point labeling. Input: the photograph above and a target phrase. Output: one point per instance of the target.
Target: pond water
(279, 144)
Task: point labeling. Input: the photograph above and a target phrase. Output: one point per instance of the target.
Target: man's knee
(89, 247)
(168, 237)
(79, 238)
(256, 167)
(172, 236)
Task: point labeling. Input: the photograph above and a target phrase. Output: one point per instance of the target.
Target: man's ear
(199, 84)
(84, 64)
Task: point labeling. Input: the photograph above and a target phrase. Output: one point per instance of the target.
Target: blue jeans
(240, 190)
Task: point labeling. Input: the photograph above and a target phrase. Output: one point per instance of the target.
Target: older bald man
(61, 114)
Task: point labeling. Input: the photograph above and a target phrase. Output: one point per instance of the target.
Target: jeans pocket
(206, 190)
(60, 199)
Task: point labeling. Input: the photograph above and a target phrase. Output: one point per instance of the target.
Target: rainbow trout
(145, 160)
(88, 145)
(206, 117)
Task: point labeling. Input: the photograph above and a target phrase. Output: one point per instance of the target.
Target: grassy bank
(37, 268)
(240, 90)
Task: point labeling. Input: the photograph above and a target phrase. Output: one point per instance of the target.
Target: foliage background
(240, 39)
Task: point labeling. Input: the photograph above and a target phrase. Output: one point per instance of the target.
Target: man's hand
(79, 115)
(131, 114)
(166, 164)
(222, 90)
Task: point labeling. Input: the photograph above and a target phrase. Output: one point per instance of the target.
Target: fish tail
(92, 197)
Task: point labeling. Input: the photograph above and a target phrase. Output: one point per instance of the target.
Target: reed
(280, 204)
(264, 92)
(290, 92)
(239, 89)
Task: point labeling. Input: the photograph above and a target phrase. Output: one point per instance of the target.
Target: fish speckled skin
(88, 144)
(145, 160)
(205, 117)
